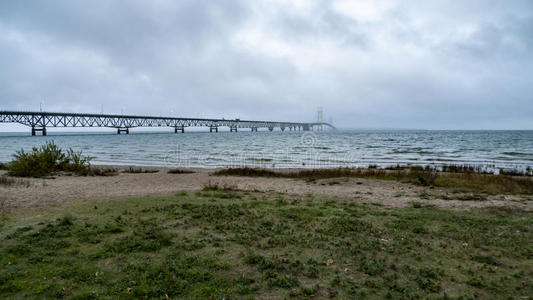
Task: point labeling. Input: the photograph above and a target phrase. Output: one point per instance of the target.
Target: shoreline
(29, 194)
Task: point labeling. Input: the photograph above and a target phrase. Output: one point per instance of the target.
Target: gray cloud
(411, 64)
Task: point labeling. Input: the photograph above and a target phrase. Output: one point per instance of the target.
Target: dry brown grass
(7, 181)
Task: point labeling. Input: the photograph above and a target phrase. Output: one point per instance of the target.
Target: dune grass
(222, 243)
(461, 179)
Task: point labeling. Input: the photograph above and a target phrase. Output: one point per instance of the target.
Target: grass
(466, 179)
(223, 243)
(6, 181)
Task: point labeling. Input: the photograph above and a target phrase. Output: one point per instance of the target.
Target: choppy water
(492, 149)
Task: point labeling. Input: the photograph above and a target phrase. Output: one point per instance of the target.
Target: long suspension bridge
(40, 121)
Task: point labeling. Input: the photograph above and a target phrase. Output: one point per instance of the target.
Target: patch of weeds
(472, 197)
(102, 171)
(425, 195)
(179, 171)
(217, 187)
(429, 279)
(182, 194)
(147, 236)
(489, 260)
(282, 281)
(133, 170)
(416, 204)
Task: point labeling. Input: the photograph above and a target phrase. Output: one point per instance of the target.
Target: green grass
(464, 179)
(221, 243)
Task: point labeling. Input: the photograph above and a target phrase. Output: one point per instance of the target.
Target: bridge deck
(39, 121)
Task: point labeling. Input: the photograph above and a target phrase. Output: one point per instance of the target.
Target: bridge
(39, 121)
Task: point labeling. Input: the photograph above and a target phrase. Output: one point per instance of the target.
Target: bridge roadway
(39, 121)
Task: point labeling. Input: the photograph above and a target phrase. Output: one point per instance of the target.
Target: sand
(31, 194)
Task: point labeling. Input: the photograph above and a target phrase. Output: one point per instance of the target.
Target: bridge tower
(320, 118)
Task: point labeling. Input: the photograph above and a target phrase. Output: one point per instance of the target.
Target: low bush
(47, 160)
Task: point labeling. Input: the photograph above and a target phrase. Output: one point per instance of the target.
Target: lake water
(490, 149)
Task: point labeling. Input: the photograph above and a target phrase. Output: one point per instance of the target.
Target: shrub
(47, 160)
(77, 162)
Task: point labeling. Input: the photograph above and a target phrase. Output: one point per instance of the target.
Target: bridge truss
(39, 121)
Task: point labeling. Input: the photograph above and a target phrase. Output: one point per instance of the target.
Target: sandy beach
(32, 194)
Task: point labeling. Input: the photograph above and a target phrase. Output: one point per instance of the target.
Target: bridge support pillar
(179, 128)
(306, 127)
(254, 129)
(271, 128)
(213, 128)
(233, 129)
(123, 130)
(34, 130)
(282, 128)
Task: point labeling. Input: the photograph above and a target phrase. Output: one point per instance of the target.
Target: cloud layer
(401, 64)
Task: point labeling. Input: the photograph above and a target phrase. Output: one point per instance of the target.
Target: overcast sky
(369, 64)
